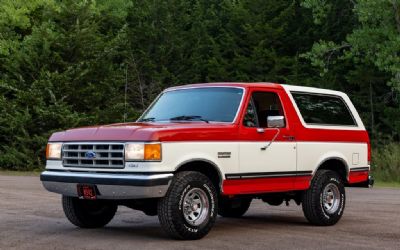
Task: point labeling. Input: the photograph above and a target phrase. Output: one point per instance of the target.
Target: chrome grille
(106, 155)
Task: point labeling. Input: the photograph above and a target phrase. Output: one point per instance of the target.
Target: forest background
(66, 64)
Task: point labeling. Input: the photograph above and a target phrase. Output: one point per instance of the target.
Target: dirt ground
(32, 218)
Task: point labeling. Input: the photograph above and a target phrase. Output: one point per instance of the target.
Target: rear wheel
(189, 209)
(233, 208)
(88, 213)
(323, 203)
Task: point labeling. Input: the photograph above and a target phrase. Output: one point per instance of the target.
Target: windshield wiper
(148, 119)
(188, 118)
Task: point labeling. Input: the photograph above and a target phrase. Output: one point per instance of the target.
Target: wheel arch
(336, 164)
(206, 167)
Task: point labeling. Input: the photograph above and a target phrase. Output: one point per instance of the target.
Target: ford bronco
(206, 149)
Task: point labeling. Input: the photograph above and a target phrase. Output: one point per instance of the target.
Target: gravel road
(32, 218)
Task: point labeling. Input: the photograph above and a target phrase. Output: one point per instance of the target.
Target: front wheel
(88, 213)
(323, 203)
(189, 209)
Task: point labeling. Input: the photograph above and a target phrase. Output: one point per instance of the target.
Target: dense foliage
(66, 63)
(387, 162)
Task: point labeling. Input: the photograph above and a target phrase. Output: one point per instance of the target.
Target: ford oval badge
(90, 154)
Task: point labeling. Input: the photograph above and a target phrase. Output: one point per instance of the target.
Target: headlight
(53, 151)
(143, 152)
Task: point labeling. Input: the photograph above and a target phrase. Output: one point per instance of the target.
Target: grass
(387, 184)
(386, 163)
(20, 173)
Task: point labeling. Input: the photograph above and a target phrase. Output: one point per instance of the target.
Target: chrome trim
(109, 192)
(65, 183)
(277, 121)
(195, 206)
(76, 161)
(267, 175)
(359, 169)
(106, 176)
(331, 198)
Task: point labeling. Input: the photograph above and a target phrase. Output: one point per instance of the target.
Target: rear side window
(323, 109)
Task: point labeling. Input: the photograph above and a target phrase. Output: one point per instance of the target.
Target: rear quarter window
(319, 109)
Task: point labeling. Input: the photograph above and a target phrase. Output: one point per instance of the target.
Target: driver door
(267, 155)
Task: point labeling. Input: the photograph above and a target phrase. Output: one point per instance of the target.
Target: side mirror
(276, 121)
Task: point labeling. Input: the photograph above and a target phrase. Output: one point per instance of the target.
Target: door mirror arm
(273, 139)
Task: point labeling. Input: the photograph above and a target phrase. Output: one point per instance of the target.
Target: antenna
(126, 90)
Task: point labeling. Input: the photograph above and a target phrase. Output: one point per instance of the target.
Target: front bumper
(109, 185)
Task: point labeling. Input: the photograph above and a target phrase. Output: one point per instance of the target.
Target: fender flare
(346, 166)
(213, 164)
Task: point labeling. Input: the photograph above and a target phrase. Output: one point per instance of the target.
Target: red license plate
(86, 191)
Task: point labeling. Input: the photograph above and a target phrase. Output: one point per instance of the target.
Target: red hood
(182, 131)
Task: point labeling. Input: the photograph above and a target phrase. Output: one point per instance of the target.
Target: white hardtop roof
(311, 90)
(290, 88)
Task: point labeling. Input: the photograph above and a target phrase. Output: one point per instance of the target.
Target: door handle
(289, 137)
(260, 130)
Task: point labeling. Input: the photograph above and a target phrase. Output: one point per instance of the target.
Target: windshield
(219, 104)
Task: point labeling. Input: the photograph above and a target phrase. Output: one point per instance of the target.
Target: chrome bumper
(109, 185)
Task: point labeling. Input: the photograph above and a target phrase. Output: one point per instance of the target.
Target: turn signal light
(143, 152)
(152, 152)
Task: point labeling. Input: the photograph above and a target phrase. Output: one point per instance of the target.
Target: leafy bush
(386, 162)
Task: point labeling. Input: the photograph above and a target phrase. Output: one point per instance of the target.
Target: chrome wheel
(195, 206)
(331, 198)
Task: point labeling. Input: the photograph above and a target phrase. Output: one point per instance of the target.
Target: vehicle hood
(179, 131)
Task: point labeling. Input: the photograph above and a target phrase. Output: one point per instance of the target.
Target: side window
(262, 105)
(250, 118)
(323, 109)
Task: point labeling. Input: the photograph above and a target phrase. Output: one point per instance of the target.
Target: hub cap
(195, 206)
(331, 198)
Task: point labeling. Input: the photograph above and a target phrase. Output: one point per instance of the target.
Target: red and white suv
(206, 149)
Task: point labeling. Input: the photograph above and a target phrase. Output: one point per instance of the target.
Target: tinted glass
(261, 106)
(212, 104)
(250, 117)
(323, 109)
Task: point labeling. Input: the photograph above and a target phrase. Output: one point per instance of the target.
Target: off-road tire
(171, 207)
(233, 208)
(88, 213)
(313, 199)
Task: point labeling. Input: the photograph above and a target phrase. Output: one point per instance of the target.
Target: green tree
(67, 63)
(368, 57)
(55, 73)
